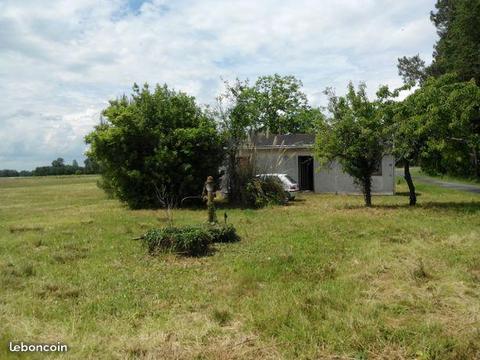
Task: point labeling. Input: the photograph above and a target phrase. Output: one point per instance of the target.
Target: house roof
(289, 140)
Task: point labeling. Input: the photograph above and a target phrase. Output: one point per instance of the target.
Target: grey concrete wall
(327, 179)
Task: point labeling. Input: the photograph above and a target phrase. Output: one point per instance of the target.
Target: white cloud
(60, 61)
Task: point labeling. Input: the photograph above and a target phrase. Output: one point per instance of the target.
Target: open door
(305, 172)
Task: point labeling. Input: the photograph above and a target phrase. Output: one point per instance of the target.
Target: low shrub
(188, 240)
(223, 234)
(262, 192)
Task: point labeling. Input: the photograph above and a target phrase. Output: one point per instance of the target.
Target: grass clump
(419, 272)
(188, 240)
(223, 234)
(222, 316)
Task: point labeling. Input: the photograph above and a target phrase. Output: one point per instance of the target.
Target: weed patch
(222, 316)
(58, 292)
(188, 240)
(419, 272)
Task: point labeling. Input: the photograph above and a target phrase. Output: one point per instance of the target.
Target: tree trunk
(233, 178)
(411, 187)
(367, 191)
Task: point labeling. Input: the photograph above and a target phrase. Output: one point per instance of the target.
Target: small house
(293, 154)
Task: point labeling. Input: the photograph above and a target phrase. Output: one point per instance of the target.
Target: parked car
(289, 185)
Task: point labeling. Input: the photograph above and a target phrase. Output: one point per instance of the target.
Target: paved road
(446, 184)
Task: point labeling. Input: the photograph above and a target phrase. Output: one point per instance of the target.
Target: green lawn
(320, 278)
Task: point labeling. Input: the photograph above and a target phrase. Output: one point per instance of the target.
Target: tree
(154, 141)
(273, 104)
(75, 164)
(407, 135)
(281, 105)
(238, 114)
(9, 173)
(91, 166)
(412, 69)
(58, 163)
(407, 131)
(438, 127)
(446, 114)
(456, 61)
(458, 48)
(354, 136)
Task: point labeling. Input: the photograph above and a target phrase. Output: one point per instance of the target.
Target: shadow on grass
(406, 193)
(229, 206)
(210, 251)
(466, 207)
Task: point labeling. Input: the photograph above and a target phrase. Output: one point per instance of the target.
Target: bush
(188, 240)
(154, 143)
(223, 234)
(262, 192)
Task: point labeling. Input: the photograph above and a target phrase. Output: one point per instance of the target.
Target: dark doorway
(305, 172)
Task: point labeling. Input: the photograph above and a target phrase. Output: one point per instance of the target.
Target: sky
(61, 61)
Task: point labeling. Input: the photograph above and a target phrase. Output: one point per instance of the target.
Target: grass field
(321, 278)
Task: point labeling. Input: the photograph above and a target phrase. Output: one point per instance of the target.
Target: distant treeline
(58, 167)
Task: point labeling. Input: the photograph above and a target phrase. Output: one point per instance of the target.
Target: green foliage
(438, 126)
(58, 163)
(282, 106)
(223, 233)
(262, 192)
(14, 173)
(274, 104)
(354, 136)
(236, 114)
(412, 69)
(458, 48)
(91, 166)
(188, 240)
(59, 167)
(155, 142)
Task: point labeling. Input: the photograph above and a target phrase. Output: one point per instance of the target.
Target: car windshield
(290, 179)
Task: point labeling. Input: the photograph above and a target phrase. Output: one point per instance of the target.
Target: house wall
(327, 179)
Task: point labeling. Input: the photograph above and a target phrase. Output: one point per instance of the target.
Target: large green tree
(281, 105)
(154, 145)
(457, 51)
(354, 136)
(274, 104)
(446, 114)
(438, 127)
(458, 47)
